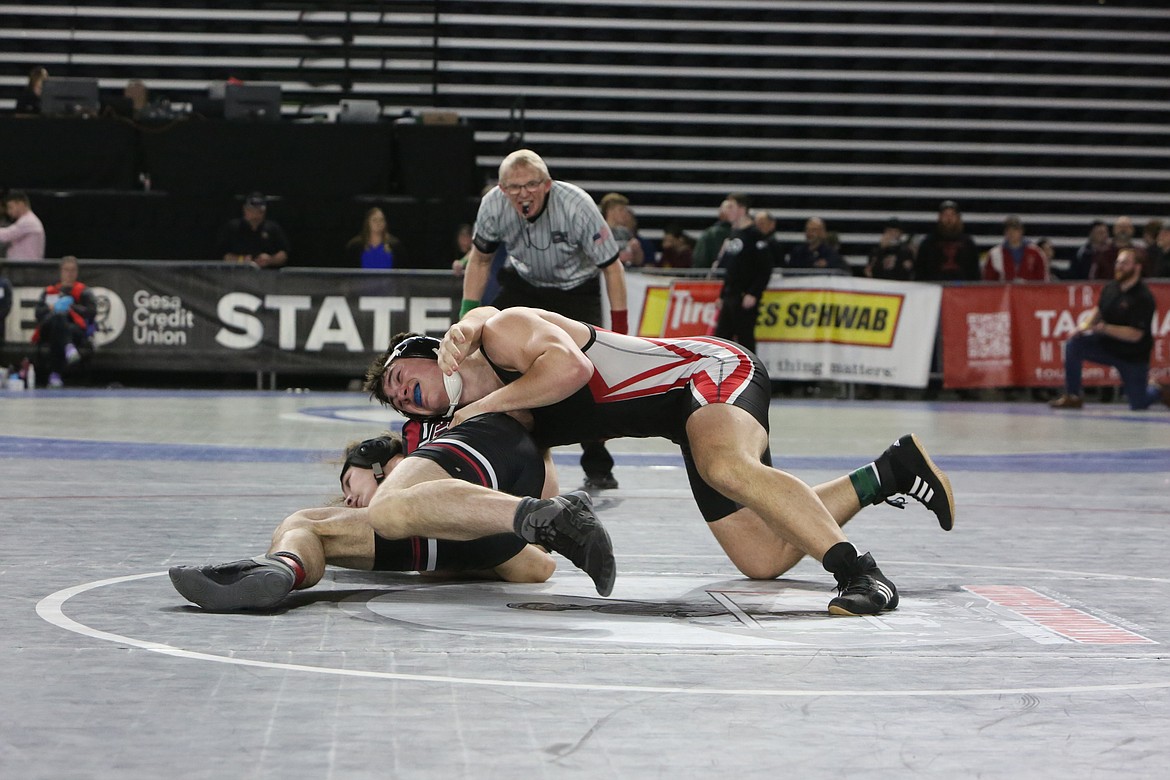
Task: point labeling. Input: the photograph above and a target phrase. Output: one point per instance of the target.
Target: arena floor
(1030, 640)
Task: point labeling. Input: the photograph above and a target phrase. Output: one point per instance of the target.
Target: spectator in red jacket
(1017, 259)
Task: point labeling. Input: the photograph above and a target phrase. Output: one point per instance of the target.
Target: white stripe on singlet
(475, 455)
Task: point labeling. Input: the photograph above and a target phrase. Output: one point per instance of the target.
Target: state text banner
(170, 316)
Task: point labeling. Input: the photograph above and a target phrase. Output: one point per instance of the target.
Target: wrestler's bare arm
(552, 365)
(463, 338)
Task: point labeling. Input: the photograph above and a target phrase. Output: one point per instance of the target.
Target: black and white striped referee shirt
(563, 246)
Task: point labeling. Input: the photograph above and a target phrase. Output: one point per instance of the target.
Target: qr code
(989, 336)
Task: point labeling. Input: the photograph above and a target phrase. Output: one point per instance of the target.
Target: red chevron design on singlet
(689, 367)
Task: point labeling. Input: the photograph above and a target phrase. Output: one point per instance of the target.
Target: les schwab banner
(1013, 335)
(833, 328)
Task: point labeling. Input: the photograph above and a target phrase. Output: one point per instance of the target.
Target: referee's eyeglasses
(528, 186)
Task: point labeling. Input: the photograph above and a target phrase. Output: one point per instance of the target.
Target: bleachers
(852, 111)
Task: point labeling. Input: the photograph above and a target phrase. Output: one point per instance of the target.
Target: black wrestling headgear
(414, 347)
(426, 347)
(373, 454)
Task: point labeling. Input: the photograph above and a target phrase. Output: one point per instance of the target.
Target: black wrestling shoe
(914, 474)
(567, 525)
(865, 591)
(255, 583)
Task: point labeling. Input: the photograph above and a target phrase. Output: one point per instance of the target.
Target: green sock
(867, 484)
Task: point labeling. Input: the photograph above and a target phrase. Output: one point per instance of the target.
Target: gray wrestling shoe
(567, 525)
(255, 583)
(910, 471)
(864, 591)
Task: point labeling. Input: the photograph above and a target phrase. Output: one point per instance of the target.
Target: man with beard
(1116, 332)
(948, 254)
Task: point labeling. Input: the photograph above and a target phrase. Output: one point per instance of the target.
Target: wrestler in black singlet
(492, 450)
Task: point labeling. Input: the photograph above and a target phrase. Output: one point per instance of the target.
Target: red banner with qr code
(1012, 335)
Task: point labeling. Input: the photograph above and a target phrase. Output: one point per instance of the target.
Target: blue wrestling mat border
(48, 448)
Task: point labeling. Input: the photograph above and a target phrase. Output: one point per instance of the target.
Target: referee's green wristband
(467, 305)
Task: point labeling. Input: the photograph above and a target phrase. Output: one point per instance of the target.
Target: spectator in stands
(65, 316)
(816, 251)
(1159, 252)
(1149, 242)
(947, 253)
(1016, 259)
(5, 303)
(25, 236)
(636, 251)
(1049, 249)
(374, 246)
(254, 238)
(711, 240)
(1123, 238)
(1150, 232)
(465, 241)
(29, 101)
(767, 226)
(677, 248)
(1116, 332)
(747, 266)
(139, 96)
(1047, 246)
(833, 240)
(1095, 259)
(463, 235)
(891, 257)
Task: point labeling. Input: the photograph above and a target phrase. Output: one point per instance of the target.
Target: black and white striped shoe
(864, 591)
(908, 468)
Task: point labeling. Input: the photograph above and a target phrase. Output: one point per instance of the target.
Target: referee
(559, 249)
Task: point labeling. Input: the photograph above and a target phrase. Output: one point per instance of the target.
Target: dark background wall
(852, 111)
(85, 178)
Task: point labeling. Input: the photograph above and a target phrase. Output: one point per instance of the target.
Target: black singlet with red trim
(492, 450)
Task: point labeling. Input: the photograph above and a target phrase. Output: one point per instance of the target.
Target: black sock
(841, 559)
(892, 481)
